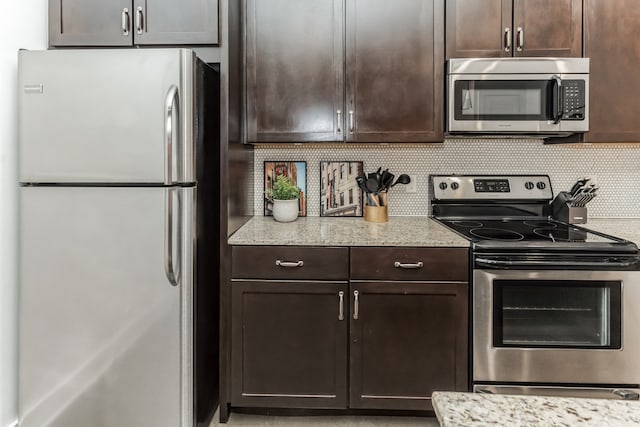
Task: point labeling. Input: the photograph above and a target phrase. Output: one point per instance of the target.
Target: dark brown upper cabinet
(344, 70)
(613, 52)
(132, 22)
(504, 28)
(294, 69)
(394, 70)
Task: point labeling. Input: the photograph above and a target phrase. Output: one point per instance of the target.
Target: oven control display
(491, 185)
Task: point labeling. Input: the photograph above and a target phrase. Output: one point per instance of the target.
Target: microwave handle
(558, 100)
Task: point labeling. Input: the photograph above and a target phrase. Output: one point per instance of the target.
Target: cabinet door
(289, 344)
(181, 22)
(294, 70)
(395, 54)
(479, 28)
(408, 339)
(547, 27)
(613, 51)
(90, 23)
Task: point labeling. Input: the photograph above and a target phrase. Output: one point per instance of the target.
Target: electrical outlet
(411, 187)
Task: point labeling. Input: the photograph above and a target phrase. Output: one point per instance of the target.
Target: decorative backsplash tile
(614, 168)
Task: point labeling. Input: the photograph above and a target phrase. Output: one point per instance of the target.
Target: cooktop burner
(495, 234)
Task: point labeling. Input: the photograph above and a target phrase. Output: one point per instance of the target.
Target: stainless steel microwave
(547, 96)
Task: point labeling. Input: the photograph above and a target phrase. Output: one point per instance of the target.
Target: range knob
(541, 185)
(443, 185)
(528, 185)
(455, 185)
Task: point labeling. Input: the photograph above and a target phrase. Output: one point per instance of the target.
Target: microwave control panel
(574, 99)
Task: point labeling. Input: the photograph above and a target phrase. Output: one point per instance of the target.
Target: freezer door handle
(168, 238)
(172, 105)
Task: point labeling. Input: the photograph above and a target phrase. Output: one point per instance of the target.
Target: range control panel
(490, 187)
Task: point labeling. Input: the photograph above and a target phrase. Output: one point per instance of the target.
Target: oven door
(518, 103)
(556, 326)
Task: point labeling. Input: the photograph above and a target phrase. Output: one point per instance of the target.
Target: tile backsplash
(614, 168)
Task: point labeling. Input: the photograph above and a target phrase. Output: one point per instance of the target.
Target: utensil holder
(562, 210)
(376, 213)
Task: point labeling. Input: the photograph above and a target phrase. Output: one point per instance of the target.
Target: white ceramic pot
(285, 210)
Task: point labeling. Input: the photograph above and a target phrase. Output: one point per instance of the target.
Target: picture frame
(297, 170)
(339, 191)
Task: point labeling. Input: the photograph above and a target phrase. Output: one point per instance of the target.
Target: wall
(614, 168)
(23, 25)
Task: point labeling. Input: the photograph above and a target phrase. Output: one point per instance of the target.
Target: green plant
(284, 189)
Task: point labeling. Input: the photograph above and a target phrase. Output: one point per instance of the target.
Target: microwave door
(504, 103)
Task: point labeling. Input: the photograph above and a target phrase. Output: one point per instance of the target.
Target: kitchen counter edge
(456, 409)
(341, 231)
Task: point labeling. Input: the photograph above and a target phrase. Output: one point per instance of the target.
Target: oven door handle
(487, 262)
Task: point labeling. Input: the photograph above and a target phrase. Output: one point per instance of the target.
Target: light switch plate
(411, 187)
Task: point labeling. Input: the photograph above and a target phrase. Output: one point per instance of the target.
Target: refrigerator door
(104, 338)
(106, 116)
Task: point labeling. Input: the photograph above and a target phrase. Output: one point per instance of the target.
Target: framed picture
(339, 191)
(295, 170)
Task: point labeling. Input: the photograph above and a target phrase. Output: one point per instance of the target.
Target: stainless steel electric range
(555, 307)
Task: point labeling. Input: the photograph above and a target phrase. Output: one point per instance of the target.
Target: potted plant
(285, 194)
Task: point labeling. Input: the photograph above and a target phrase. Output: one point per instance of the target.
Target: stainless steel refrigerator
(118, 239)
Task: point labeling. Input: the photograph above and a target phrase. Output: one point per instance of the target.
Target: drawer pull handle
(289, 264)
(356, 304)
(399, 264)
(341, 308)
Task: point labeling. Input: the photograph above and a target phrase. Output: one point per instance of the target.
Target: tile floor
(251, 420)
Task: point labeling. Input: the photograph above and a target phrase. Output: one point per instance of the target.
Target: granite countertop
(625, 228)
(326, 231)
(478, 410)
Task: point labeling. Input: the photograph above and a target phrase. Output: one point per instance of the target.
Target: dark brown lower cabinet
(408, 339)
(289, 345)
(304, 336)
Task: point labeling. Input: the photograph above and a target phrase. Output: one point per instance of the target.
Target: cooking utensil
(402, 179)
(373, 184)
(387, 179)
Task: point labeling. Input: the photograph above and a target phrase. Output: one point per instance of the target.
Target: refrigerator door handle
(168, 238)
(171, 104)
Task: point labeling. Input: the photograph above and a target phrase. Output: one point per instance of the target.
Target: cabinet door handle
(289, 264)
(341, 308)
(356, 304)
(139, 20)
(126, 22)
(507, 39)
(339, 119)
(520, 37)
(414, 265)
(351, 121)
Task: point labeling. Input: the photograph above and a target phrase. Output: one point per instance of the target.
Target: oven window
(503, 100)
(565, 314)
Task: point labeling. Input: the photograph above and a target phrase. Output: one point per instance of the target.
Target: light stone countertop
(339, 231)
(455, 409)
(625, 228)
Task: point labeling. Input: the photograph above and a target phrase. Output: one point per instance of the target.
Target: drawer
(399, 263)
(289, 262)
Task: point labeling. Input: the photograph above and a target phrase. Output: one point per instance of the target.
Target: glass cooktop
(525, 230)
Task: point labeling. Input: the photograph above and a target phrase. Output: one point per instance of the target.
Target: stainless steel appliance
(118, 238)
(554, 306)
(548, 96)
